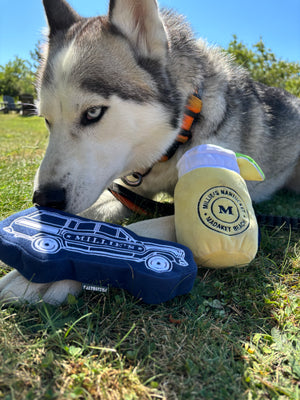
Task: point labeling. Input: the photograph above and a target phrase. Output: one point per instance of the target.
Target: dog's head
(107, 98)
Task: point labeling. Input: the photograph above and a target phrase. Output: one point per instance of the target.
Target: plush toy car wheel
(158, 263)
(46, 244)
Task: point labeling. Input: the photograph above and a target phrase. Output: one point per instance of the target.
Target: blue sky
(276, 21)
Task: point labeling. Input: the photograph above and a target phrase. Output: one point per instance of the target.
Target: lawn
(235, 336)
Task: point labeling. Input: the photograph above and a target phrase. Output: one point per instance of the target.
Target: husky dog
(113, 91)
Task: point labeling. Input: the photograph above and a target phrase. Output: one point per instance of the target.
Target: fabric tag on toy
(47, 245)
(94, 288)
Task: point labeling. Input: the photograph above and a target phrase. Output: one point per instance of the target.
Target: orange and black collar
(191, 113)
(140, 205)
(147, 207)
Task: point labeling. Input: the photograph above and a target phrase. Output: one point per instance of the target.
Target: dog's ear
(140, 22)
(60, 15)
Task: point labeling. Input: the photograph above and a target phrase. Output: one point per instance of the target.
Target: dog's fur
(135, 70)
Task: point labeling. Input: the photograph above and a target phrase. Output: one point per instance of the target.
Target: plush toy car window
(47, 245)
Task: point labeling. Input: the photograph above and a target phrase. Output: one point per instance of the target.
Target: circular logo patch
(222, 209)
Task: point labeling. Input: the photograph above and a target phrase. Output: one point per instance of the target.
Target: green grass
(235, 336)
(23, 141)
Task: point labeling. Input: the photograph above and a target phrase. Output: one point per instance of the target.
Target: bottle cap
(207, 155)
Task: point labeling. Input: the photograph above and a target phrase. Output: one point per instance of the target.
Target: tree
(16, 77)
(264, 66)
(36, 55)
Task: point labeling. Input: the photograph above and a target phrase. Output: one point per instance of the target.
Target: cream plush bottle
(214, 216)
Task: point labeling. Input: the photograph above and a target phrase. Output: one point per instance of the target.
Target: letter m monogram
(223, 210)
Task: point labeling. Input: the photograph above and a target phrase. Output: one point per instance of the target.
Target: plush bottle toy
(214, 216)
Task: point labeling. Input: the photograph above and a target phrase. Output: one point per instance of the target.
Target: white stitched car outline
(50, 232)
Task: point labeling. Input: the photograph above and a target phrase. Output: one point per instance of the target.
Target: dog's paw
(15, 288)
(57, 292)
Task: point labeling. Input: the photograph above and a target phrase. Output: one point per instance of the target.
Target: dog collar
(191, 113)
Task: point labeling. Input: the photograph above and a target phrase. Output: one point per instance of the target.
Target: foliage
(36, 55)
(236, 336)
(265, 67)
(16, 78)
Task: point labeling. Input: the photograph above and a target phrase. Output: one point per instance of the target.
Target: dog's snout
(54, 197)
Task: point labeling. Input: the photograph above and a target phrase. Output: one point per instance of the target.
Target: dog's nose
(54, 197)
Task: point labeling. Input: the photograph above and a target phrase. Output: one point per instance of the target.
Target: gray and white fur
(113, 90)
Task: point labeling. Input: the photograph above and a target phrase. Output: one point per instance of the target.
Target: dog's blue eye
(92, 115)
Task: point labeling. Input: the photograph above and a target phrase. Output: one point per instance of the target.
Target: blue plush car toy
(47, 245)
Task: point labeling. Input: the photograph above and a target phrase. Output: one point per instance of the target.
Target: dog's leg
(107, 208)
(159, 228)
(14, 287)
